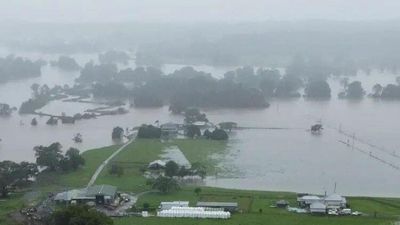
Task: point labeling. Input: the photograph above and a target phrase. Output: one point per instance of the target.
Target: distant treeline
(14, 68)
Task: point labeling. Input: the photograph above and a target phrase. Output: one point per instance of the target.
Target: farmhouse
(318, 207)
(335, 201)
(169, 129)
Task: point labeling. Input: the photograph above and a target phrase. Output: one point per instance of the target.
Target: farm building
(168, 129)
(318, 207)
(226, 206)
(100, 194)
(282, 204)
(335, 201)
(307, 200)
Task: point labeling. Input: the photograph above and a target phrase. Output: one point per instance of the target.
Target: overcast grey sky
(195, 10)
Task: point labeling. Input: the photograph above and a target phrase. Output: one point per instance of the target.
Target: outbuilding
(335, 201)
(318, 208)
(226, 206)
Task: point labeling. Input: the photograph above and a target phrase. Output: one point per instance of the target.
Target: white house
(335, 201)
(307, 200)
(318, 207)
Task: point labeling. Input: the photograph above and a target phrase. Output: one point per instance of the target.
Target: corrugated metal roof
(106, 190)
(217, 204)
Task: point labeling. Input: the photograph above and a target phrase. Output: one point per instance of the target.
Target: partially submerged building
(169, 129)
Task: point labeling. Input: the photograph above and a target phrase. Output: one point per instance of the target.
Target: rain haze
(196, 11)
(217, 111)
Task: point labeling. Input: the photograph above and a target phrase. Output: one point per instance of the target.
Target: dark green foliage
(102, 73)
(111, 90)
(197, 191)
(66, 63)
(74, 159)
(171, 169)
(117, 133)
(149, 132)
(15, 174)
(117, 170)
(33, 104)
(194, 115)
(192, 131)
(317, 89)
(114, 57)
(49, 156)
(199, 169)
(52, 158)
(5, 109)
(207, 133)
(391, 91)
(34, 122)
(354, 90)
(13, 68)
(79, 215)
(219, 135)
(166, 185)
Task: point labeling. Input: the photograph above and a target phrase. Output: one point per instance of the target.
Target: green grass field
(141, 152)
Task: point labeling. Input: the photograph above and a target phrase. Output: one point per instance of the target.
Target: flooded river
(285, 159)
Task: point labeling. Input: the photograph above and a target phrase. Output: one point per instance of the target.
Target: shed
(103, 194)
(282, 204)
(318, 207)
(227, 206)
(307, 200)
(169, 128)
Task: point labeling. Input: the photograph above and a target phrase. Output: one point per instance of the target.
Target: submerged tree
(117, 133)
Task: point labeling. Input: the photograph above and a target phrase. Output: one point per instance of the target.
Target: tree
(354, 90)
(377, 90)
(207, 133)
(117, 170)
(171, 169)
(317, 89)
(74, 158)
(14, 174)
(34, 122)
(219, 134)
(192, 131)
(199, 169)
(166, 184)
(197, 191)
(149, 132)
(117, 133)
(79, 215)
(49, 156)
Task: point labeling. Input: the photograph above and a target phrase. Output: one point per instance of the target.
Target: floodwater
(289, 159)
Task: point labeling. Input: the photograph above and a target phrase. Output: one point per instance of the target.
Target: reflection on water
(292, 159)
